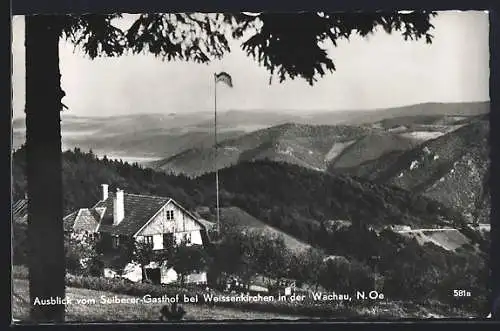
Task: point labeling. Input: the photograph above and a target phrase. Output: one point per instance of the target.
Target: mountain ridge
(452, 168)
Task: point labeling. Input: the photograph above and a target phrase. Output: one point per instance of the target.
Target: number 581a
(461, 293)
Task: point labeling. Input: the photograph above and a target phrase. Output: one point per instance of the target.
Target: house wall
(182, 226)
(168, 275)
(133, 272)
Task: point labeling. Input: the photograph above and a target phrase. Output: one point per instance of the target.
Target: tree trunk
(44, 168)
(145, 277)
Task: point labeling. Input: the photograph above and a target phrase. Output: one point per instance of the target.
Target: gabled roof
(20, 215)
(69, 221)
(139, 209)
(206, 224)
(86, 220)
(192, 215)
(20, 211)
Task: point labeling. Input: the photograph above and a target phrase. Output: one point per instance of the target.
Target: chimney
(118, 207)
(104, 191)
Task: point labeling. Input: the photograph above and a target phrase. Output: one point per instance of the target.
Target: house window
(148, 240)
(187, 238)
(170, 215)
(116, 241)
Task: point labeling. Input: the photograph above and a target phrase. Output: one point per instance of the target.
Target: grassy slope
(237, 217)
(449, 240)
(372, 147)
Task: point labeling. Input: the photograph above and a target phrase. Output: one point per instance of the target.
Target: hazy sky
(381, 71)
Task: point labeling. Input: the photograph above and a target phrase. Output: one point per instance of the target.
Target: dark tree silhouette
(292, 45)
(288, 45)
(143, 254)
(44, 167)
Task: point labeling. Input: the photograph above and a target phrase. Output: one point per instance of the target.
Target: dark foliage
(304, 197)
(293, 45)
(289, 197)
(288, 45)
(19, 244)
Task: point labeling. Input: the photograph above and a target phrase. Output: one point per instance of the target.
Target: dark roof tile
(69, 221)
(139, 209)
(20, 211)
(86, 220)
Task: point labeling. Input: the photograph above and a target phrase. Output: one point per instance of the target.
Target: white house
(119, 216)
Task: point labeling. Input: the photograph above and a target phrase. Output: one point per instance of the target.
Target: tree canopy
(288, 45)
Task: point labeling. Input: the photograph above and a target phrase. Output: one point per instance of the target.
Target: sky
(376, 72)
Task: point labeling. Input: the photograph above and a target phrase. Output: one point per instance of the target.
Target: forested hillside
(308, 205)
(289, 197)
(452, 169)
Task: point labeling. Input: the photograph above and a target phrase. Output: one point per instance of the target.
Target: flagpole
(215, 157)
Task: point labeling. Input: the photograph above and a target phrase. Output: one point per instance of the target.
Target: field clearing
(337, 149)
(130, 312)
(237, 217)
(423, 135)
(449, 239)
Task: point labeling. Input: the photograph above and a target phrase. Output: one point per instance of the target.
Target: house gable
(20, 215)
(139, 209)
(144, 215)
(175, 220)
(182, 221)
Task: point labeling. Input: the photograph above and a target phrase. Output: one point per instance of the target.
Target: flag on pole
(225, 78)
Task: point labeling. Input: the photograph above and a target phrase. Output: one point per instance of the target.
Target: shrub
(345, 276)
(20, 272)
(19, 244)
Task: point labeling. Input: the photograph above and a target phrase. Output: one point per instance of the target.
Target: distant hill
(160, 135)
(304, 145)
(422, 109)
(143, 137)
(148, 145)
(453, 169)
(273, 117)
(317, 147)
(250, 120)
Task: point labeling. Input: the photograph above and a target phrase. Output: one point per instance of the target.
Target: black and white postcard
(250, 166)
